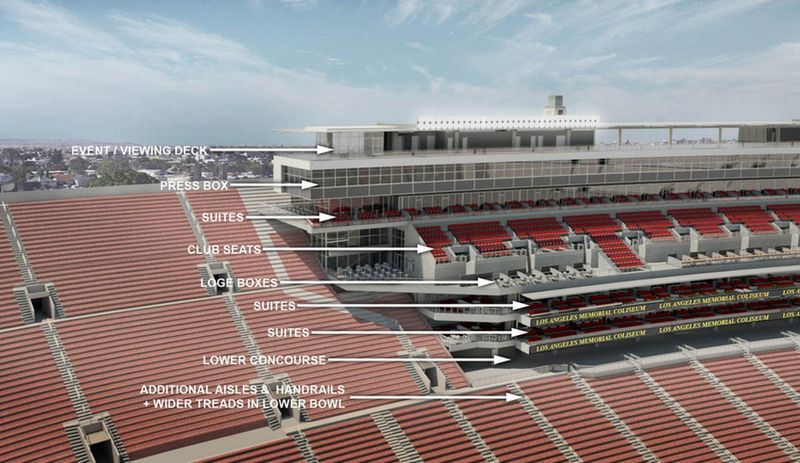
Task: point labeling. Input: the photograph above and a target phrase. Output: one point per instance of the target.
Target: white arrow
(496, 360)
(480, 282)
(520, 305)
(304, 185)
(319, 150)
(514, 305)
(322, 217)
(513, 332)
(419, 249)
(508, 397)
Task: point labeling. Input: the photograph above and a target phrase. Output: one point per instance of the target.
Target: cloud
(53, 22)
(542, 18)
(721, 8)
(483, 13)
(416, 45)
(591, 61)
(435, 82)
(300, 4)
(297, 4)
(155, 79)
(193, 43)
(326, 59)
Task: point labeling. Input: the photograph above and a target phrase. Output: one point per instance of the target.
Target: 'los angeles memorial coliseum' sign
(664, 329)
(672, 304)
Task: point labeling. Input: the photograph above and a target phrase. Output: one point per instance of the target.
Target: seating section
(345, 214)
(33, 401)
(293, 265)
(358, 439)
(502, 436)
(435, 434)
(654, 224)
(756, 220)
(114, 355)
(749, 384)
(602, 228)
(704, 220)
(285, 265)
(238, 233)
(718, 416)
(106, 253)
(278, 451)
(592, 224)
(651, 420)
(485, 236)
(9, 279)
(437, 239)
(413, 320)
(581, 424)
(702, 426)
(547, 232)
(788, 212)
(687, 290)
(359, 378)
(619, 252)
(784, 363)
(341, 214)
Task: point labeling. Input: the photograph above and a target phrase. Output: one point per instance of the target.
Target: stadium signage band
(671, 304)
(665, 329)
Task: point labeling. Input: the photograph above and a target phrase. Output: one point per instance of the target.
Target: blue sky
(233, 72)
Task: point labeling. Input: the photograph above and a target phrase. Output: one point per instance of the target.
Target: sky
(236, 72)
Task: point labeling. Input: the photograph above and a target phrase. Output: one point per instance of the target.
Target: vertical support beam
(619, 136)
(719, 135)
(670, 136)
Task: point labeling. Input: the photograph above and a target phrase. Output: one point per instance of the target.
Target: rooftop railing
(605, 147)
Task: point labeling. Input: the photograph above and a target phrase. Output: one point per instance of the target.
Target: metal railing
(459, 339)
(606, 147)
(471, 310)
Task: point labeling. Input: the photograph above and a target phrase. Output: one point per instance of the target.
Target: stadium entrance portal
(40, 302)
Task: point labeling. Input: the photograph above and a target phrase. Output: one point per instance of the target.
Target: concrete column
(670, 136)
(568, 138)
(719, 135)
(619, 136)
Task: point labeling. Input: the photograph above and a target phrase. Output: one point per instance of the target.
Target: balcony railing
(460, 339)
